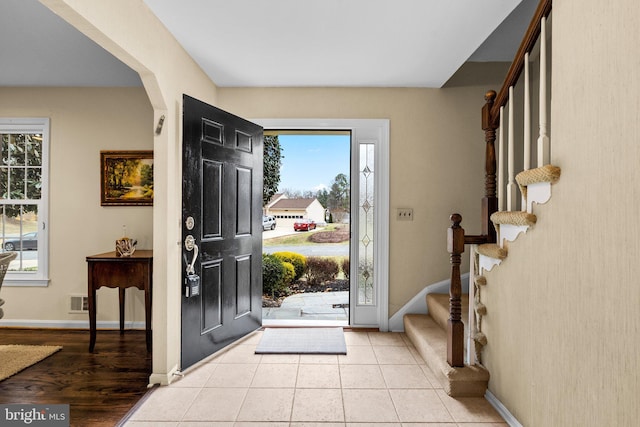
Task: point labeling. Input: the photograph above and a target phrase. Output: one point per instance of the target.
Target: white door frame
(363, 131)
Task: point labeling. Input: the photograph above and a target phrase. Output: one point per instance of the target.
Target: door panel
(211, 296)
(222, 192)
(211, 195)
(243, 191)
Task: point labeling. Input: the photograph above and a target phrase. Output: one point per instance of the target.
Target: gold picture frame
(126, 178)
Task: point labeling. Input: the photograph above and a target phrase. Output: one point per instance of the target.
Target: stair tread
(547, 173)
(514, 218)
(492, 250)
(430, 340)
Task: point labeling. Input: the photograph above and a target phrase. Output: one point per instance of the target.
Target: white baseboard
(417, 304)
(69, 324)
(502, 410)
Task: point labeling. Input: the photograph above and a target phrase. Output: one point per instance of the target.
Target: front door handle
(190, 267)
(190, 245)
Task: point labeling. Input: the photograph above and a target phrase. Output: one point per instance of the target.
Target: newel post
(455, 329)
(490, 200)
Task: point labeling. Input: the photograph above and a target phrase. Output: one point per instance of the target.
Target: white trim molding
(70, 324)
(502, 410)
(368, 131)
(39, 277)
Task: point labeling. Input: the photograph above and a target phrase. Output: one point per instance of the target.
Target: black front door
(221, 229)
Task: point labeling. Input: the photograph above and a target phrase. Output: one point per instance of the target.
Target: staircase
(442, 335)
(428, 332)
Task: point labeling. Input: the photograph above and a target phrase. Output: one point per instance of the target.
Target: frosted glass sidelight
(366, 230)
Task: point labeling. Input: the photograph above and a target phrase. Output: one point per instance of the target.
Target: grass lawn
(300, 238)
(291, 239)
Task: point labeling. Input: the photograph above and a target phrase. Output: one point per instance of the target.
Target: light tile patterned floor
(381, 382)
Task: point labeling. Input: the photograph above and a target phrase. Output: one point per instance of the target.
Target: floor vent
(79, 304)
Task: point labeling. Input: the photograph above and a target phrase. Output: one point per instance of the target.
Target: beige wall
(83, 121)
(564, 308)
(433, 132)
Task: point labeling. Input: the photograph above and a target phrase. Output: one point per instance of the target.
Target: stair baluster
(543, 139)
(526, 114)
(511, 158)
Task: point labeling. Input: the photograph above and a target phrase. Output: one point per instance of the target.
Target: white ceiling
(385, 43)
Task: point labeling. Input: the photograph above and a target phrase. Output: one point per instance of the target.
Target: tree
(20, 174)
(271, 164)
(298, 194)
(339, 198)
(323, 197)
(146, 175)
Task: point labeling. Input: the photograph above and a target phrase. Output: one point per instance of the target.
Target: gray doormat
(302, 341)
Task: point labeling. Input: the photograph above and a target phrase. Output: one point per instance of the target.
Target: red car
(304, 225)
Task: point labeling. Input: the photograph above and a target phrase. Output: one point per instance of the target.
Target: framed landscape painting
(126, 178)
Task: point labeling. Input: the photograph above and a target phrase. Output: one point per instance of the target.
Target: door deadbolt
(190, 223)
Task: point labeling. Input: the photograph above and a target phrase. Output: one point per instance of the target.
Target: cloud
(320, 187)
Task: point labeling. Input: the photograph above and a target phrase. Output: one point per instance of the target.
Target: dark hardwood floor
(100, 387)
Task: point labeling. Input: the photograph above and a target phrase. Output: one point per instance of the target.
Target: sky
(311, 162)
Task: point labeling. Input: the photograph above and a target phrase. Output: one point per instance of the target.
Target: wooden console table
(120, 272)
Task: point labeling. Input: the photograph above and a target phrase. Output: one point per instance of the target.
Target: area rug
(302, 341)
(15, 358)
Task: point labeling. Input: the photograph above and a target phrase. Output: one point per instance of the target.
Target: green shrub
(273, 275)
(344, 266)
(299, 261)
(320, 270)
(289, 272)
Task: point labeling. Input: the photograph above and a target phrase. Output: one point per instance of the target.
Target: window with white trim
(24, 168)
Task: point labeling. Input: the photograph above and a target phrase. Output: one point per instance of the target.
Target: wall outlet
(404, 214)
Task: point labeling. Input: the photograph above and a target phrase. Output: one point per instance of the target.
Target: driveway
(278, 232)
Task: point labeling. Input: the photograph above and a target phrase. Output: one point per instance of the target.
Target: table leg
(92, 316)
(121, 297)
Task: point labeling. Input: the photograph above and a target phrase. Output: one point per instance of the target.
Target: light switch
(404, 214)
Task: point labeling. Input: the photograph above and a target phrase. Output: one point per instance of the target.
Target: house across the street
(287, 211)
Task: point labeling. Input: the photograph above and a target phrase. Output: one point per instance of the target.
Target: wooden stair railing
(456, 238)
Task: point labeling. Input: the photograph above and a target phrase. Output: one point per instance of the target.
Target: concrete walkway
(311, 306)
